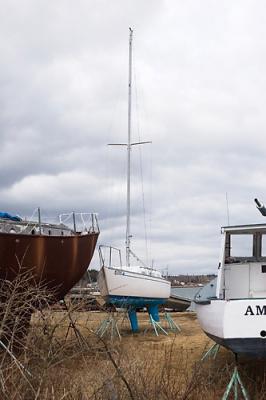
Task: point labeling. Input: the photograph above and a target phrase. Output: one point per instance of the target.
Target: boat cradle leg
(171, 323)
(212, 352)
(234, 383)
(156, 326)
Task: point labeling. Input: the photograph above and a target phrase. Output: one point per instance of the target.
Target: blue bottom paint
(133, 319)
(154, 312)
(133, 303)
(138, 302)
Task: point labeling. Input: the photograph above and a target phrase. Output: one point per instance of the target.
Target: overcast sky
(199, 93)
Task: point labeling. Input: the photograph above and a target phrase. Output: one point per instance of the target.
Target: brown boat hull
(56, 261)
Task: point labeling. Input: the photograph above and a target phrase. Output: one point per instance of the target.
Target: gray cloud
(199, 95)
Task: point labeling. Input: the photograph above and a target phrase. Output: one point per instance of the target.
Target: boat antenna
(227, 207)
(260, 207)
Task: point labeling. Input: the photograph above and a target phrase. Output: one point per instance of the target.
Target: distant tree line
(91, 276)
(196, 279)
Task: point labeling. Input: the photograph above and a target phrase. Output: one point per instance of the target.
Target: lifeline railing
(109, 256)
(81, 220)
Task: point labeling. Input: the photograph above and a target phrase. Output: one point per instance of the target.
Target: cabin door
(236, 279)
(257, 280)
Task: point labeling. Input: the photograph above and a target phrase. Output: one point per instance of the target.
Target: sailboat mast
(128, 236)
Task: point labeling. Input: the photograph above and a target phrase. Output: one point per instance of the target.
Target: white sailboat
(235, 315)
(131, 286)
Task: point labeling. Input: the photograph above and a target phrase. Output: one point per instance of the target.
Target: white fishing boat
(131, 286)
(235, 315)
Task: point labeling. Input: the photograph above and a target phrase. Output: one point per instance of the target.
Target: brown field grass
(58, 362)
(67, 365)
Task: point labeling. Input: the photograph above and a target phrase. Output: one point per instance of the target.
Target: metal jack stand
(156, 326)
(234, 383)
(174, 327)
(109, 326)
(212, 352)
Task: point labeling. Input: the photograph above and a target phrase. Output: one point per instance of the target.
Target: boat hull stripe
(134, 301)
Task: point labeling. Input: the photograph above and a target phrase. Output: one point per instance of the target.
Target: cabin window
(263, 246)
(241, 245)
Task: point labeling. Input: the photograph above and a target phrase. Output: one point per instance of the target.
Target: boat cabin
(242, 266)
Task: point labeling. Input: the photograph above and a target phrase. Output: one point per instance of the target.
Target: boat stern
(238, 324)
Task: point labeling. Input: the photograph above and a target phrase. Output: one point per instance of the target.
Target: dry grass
(57, 362)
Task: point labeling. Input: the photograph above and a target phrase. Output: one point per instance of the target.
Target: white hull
(237, 324)
(126, 283)
(233, 313)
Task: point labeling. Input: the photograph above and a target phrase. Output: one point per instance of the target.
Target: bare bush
(62, 358)
(19, 298)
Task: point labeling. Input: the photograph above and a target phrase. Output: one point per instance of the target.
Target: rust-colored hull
(56, 261)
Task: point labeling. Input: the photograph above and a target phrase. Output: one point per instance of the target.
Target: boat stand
(109, 327)
(234, 384)
(173, 326)
(212, 352)
(156, 326)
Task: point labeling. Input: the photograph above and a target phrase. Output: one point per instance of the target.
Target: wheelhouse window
(245, 247)
(241, 245)
(263, 245)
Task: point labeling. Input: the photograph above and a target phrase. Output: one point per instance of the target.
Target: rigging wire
(31, 218)
(141, 167)
(110, 174)
(151, 201)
